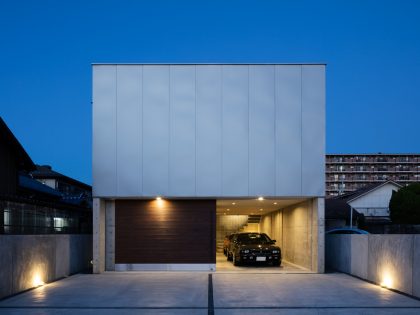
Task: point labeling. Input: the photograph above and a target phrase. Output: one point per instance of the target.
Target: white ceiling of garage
(252, 206)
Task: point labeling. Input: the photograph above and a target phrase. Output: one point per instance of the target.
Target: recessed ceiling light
(275, 203)
(234, 203)
(224, 213)
(228, 209)
(261, 209)
(260, 198)
(252, 212)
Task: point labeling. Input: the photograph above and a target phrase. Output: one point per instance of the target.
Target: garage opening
(290, 222)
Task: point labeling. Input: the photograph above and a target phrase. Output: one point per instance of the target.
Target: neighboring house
(28, 206)
(346, 173)
(175, 145)
(372, 201)
(72, 190)
(370, 207)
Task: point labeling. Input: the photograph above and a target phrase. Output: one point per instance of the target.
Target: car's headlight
(245, 251)
(275, 251)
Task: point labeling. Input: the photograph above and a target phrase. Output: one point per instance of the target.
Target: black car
(253, 248)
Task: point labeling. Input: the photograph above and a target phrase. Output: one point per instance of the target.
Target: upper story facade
(208, 130)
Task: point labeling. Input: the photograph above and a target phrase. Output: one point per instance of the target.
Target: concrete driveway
(201, 293)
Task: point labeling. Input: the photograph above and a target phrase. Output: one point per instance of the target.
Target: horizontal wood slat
(165, 231)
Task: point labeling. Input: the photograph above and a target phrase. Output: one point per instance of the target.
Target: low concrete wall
(27, 258)
(392, 259)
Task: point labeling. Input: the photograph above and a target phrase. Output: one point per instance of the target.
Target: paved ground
(201, 293)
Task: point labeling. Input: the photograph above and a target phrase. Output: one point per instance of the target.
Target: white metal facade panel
(262, 120)
(104, 131)
(208, 130)
(313, 130)
(129, 112)
(155, 130)
(288, 130)
(235, 131)
(182, 131)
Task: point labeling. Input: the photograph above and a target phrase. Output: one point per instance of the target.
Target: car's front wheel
(236, 262)
(228, 255)
(276, 263)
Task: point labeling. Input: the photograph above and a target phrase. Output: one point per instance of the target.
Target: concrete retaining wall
(384, 259)
(26, 258)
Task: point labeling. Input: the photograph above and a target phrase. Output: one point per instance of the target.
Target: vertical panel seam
(116, 131)
(195, 130)
(275, 132)
(138, 130)
(142, 130)
(249, 118)
(221, 133)
(301, 132)
(169, 132)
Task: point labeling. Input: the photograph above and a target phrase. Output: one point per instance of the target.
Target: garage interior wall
(296, 229)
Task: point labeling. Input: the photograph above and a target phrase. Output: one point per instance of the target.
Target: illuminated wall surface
(390, 260)
(208, 130)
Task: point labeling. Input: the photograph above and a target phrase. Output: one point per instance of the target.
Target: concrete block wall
(47, 257)
(393, 259)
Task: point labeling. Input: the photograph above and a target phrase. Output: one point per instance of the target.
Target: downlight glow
(260, 198)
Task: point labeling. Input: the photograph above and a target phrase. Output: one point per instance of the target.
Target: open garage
(177, 145)
(290, 222)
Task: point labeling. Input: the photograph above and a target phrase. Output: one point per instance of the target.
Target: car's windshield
(253, 238)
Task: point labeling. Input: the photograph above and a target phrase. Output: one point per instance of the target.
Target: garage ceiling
(253, 206)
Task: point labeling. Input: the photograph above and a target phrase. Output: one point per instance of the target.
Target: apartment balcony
(373, 171)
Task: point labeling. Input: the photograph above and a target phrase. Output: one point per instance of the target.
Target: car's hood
(259, 247)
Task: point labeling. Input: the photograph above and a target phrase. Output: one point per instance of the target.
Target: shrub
(405, 205)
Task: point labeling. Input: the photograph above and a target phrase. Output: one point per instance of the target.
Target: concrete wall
(392, 259)
(23, 258)
(299, 231)
(200, 130)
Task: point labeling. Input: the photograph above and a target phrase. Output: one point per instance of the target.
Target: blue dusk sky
(372, 51)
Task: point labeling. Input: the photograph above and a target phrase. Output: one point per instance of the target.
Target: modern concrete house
(177, 145)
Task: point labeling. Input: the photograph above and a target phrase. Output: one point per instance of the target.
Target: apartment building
(349, 172)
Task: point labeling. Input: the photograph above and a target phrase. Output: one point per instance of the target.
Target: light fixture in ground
(275, 203)
(37, 280)
(158, 198)
(234, 203)
(260, 198)
(386, 282)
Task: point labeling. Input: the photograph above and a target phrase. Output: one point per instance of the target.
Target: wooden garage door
(166, 231)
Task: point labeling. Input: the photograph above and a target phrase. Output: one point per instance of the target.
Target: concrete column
(110, 235)
(98, 235)
(318, 233)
